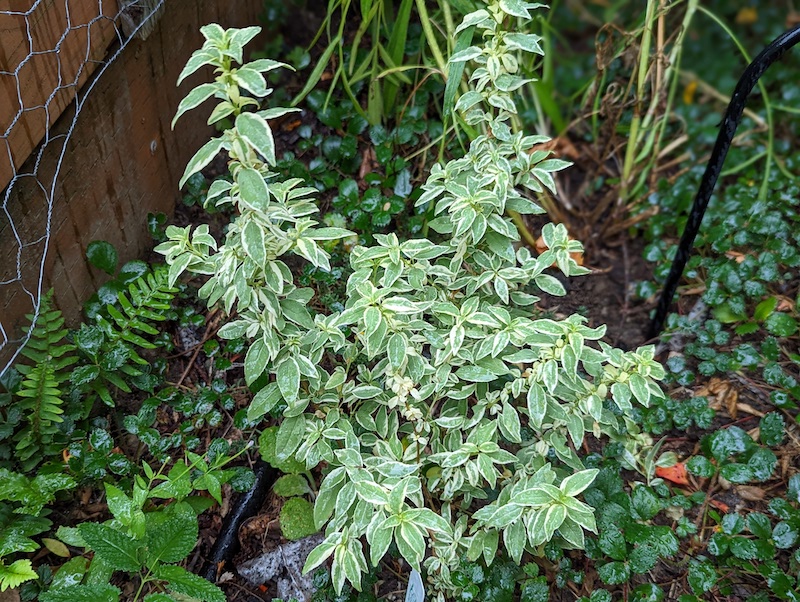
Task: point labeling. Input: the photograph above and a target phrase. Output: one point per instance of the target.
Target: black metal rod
(730, 122)
(247, 505)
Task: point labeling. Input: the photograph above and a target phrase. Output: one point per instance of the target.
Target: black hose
(247, 505)
(730, 122)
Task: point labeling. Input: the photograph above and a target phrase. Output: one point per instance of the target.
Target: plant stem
(430, 37)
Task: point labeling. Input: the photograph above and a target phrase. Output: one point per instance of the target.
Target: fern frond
(121, 329)
(39, 393)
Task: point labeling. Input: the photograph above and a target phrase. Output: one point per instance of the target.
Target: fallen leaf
(675, 473)
(784, 304)
(541, 247)
(721, 506)
(748, 409)
(750, 493)
(736, 256)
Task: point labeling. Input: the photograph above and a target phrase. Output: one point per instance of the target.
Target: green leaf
(290, 436)
(253, 243)
(201, 158)
(765, 309)
(702, 576)
(102, 255)
(535, 590)
(644, 502)
(729, 441)
(264, 401)
(759, 525)
(319, 69)
(701, 466)
(170, 534)
(288, 379)
(736, 472)
(771, 429)
(290, 485)
(578, 482)
(647, 592)
(181, 581)
(195, 98)
(253, 190)
(614, 573)
(612, 543)
(781, 325)
(410, 543)
(784, 535)
(16, 573)
(119, 551)
(256, 131)
(762, 463)
(82, 593)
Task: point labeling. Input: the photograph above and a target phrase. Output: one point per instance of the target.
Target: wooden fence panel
(121, 162)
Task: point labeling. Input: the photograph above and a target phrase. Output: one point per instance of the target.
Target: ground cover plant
(364, 308)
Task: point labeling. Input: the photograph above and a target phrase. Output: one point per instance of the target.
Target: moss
(297, 518)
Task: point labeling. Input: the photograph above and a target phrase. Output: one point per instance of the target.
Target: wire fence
(52, 53)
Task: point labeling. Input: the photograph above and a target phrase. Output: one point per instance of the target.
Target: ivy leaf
(614, 573)
(102, 255)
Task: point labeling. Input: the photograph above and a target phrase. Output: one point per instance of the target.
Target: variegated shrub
(438, 387)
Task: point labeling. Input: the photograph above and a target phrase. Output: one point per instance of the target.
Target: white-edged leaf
(256, 131)
(201, 158)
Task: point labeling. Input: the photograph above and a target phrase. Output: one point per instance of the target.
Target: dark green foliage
(362, 165)
(109, 346)
(628, 543)
(749, 256)
(102, 255)
(736, 456)
(681, 414)
(38, 402)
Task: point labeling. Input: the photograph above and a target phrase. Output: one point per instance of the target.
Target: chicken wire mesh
(52, 53)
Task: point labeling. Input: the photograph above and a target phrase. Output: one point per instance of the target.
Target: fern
(39, 394)
(110, 345)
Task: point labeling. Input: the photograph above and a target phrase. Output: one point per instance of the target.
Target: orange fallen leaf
(541, 247)
(721, 506)
(675, 473)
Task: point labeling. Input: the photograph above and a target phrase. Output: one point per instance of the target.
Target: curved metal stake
(730, 122)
